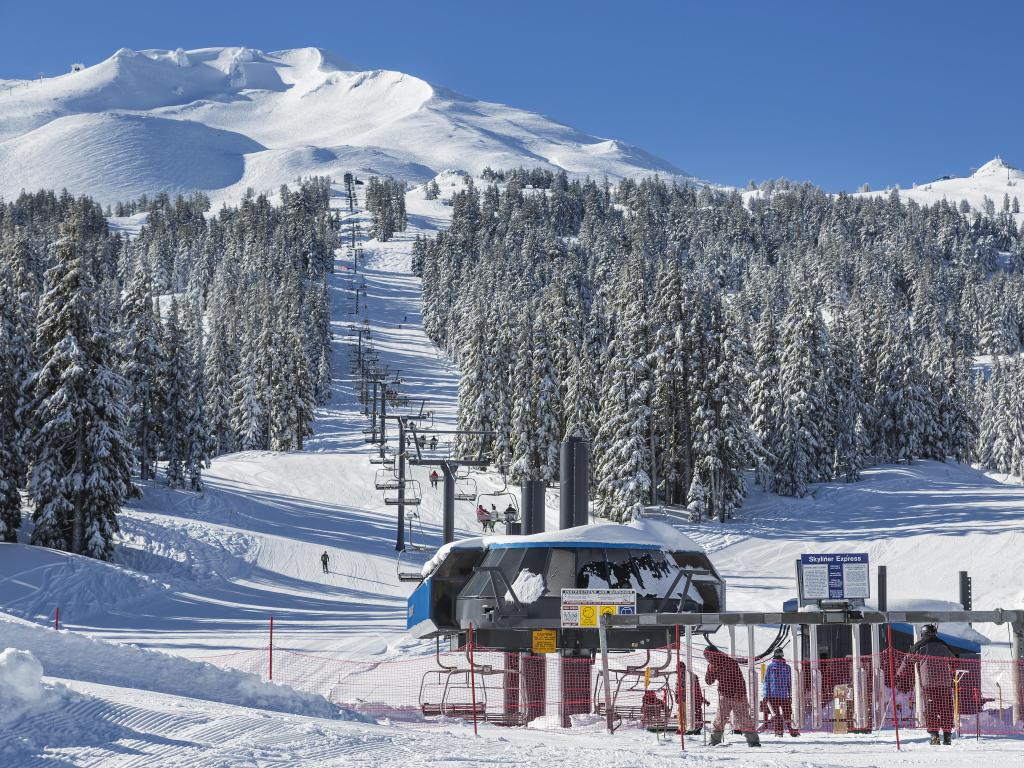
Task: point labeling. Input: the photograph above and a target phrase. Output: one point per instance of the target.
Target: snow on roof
(645, 533)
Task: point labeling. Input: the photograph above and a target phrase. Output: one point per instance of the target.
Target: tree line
(202, 335)
(695, 335)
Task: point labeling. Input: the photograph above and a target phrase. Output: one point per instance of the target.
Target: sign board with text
(581, 608)
(544, 641)
(834, 577)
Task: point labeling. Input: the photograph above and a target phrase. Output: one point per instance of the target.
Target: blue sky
(837, 93)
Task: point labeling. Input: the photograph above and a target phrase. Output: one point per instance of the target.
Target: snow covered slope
(993, 180)
(224, 119)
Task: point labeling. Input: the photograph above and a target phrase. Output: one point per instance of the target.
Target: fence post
(857, 669)
(814, 670)
(681, 680)
(732, 654)
(919, 720)
(691, 705)
(270, 655)
(472, 679)
(609, 710)
(798, 678)
(877, 680)
(752, 675)
(1017, 655)
(892, 686)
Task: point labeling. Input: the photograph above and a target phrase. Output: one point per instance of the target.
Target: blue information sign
(834, 577)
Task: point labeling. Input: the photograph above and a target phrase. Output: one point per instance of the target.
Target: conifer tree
(140, 364)
(81, 460)
(175, 375)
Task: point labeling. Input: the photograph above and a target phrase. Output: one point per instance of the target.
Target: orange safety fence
(841, 695)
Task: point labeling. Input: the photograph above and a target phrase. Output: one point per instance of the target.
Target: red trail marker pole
(271, 655)
(56, 619)
(892, 688)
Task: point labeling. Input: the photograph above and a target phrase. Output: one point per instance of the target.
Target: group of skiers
(931, 657)
(488, 518)
(422, 442)
(776, 695)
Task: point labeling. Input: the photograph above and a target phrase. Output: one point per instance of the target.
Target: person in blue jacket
(777, 690)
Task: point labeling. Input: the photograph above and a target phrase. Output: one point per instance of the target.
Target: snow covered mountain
(993, 180)
(224, 119)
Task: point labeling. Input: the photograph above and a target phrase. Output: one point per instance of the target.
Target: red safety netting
(720, 692)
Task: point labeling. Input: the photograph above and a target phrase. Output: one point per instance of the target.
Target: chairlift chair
(633, 699)
(471, 690)
(377, 458)
(413, 493)
(385, 480)
(506, 498)
(411, 562)
(465, 489)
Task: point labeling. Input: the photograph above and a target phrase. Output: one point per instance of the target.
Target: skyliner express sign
(834, 577)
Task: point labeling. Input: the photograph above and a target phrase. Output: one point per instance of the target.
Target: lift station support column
(448, 470)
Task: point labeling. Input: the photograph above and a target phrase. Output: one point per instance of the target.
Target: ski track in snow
(200, 575)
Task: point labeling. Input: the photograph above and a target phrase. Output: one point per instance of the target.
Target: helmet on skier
(929, 629)
(778, 654)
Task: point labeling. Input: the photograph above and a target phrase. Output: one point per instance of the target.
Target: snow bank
(76, 657)
(21, 684)
(35, 580)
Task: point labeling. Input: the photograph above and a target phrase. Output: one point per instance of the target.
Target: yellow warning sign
(545, 641)
(588, 615)
(609, 610)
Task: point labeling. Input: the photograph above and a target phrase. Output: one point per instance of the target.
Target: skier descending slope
(324, 560)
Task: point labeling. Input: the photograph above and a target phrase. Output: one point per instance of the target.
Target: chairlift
(471, 690)
(411, 562)
(639, 692)
(506, 497)
(377, 458)
(412, 493)
(385, 480)
(465, 489)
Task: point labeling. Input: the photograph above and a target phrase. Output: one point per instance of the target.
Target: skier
(732, 697)
(933, 659)
(777, 691)
(484, 518)
(423, 442)
(324, 559)
(433, 479)
(511, 513)
(433, 442)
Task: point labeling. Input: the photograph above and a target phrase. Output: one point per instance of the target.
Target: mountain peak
(994, 166)
(266, 118)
